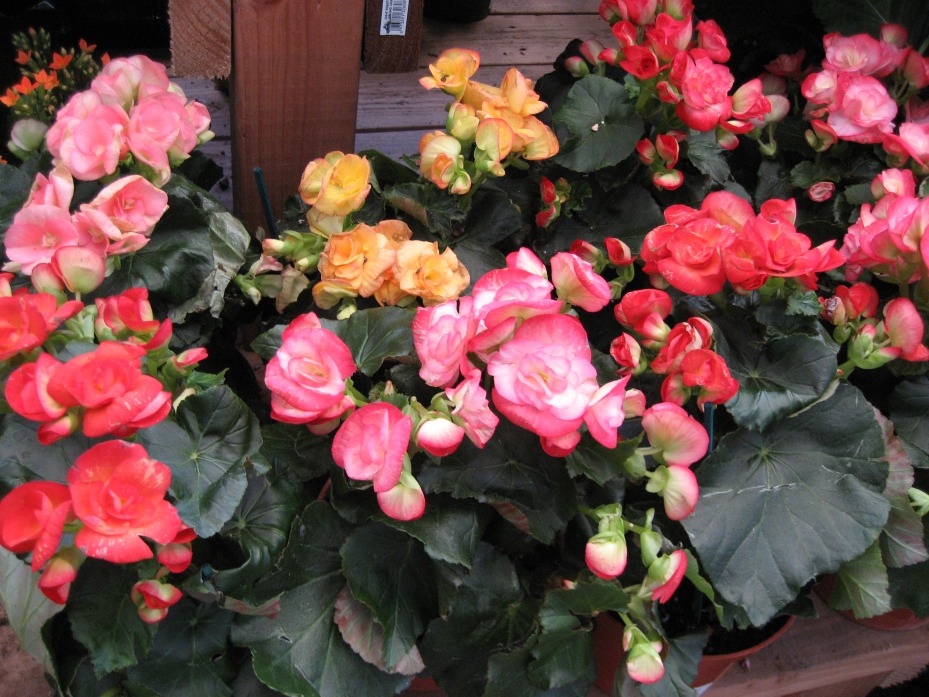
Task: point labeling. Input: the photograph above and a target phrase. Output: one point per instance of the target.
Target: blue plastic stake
(265, 202)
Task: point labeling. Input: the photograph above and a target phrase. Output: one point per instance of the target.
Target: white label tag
(393, 17)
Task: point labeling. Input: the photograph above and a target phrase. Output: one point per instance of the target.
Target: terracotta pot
(424, 686)
(609, 654)
(898, 620)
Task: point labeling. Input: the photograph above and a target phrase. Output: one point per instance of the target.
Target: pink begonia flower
(124, 80)
(634, 403)
(577, 283)
(162, 122)
(606, 554)
(679, 439)
(526, 260)
(641, 62)
(913, 141)
(821, 191)
(99, 227)
(403, 501)
(689, 256)
(707, 371)
(861, 54)
(472, 411)
(644, 311)
(627, 353)
(441, 334)
(543, 377)
(118, 494)
(513, 292)
(36, 234)
(894, 181)
(81, 269)
(371, 444)
(684, 337)
(26, 319)
(711, 39)
(665, 575)
(153, 597)
(705, 89)
(55, 581)
(32, 519)
(55, 190)
(438, 436)
(605, 413)
(669, 36)
(132, 203)
(90, 145)
(560, 446)
(862, 111)
(904, 326)
(678, 488)
(307, 374)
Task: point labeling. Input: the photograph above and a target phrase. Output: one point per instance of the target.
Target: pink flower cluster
(131, 110)
(850, 98)
(58, 248)
(698, 251)
(114, 496)
(660, 43)
(890, 238)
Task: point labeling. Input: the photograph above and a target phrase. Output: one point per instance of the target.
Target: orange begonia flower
(357, 258)
(452, 71)
(434, 277)
(519, 95)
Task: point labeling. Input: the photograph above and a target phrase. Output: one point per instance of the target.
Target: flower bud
(405, 501)
(81, 268)
(61, 570)
(606, 554)
(27, 137)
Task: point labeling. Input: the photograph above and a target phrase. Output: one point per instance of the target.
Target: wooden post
(294, 94)
(201, 38)
(393, 29)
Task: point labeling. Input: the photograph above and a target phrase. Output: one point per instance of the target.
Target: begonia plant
(640, 322)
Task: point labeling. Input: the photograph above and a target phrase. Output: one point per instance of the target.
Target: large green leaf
(850, 17)
(909, 406)
(24, 459)
(104, 618)
(291, 451)
(902, 541)
(779, 507)
(488, 610)
(300, 652)
(512, 468)
(193, 253)
(14, 188)
(375, 334)
(206, 450)
(389, 572)
(190, 655)
(450, 530)
(861, 585)
(705, 153)
(603, 125)
(776, 379)
(509, 675)
(599, 463)
(430, 206)
(26, 607)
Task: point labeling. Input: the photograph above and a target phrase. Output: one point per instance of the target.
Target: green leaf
(24, 459)
(194, 252)
(909, 406)
(779, 507)
(489, 610)
(509, 675)
(104, 618)
(861, 585)
(300, 651)
(260, 526)
(27, 609)
(450, 530)
(190, 655)
(772, 182)
(680, 670)
(851, 17)
(512, 468)
(388, 571)
(902, 538)
(267, 343)
(908, 587)
(776, 379)
(14, 189)
(603, 124)
(493, 217)
(435, 209)
(206, 450)
(375, 334)
(599, 463)
(705, 153)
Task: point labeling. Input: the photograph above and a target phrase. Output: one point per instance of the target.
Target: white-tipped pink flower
(678, 488)
(644, 658)
(676, 438)
(438, 436)
(371, 444)
(605, 414)
(665, 575)
(472, 411)
(577, 283)
(905, 328)
(403, 501)
(526, 260)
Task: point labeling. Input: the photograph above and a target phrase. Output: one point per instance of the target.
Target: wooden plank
(534, 7)
(215, 100)
(398, 101)
(392, 143)
(201, 37)
(394, 53)
(513, 39)
(294, 91)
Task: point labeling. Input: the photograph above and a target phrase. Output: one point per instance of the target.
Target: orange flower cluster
(500, 123)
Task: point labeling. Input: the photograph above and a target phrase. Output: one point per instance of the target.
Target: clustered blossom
(698, 251)
(499, 122)
(131, 112)
(60, 249)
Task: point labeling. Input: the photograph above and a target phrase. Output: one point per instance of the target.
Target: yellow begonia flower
(452, 70)
(462, 121)
(328, 294)
(357, 258)
(494, 142)
(441, 162)
(337, 184)
(424, 272)
(518, 94)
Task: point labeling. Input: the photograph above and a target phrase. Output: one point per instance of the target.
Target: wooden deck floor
(394, 110)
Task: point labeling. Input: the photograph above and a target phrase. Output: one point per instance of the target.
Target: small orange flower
(60, 62)
(85, 47)
(46, 80)
(25, 86)
(10, 98)
(23, 57)
(105, 58)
